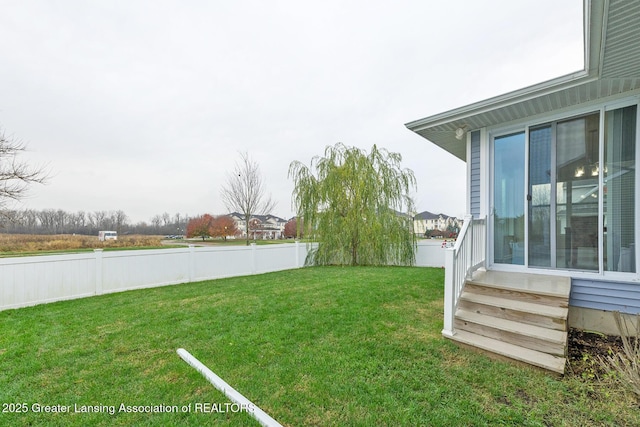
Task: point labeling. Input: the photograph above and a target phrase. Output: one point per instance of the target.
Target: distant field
(38, 244)
(11, 244)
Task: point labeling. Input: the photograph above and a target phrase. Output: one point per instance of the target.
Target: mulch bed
(584, 349)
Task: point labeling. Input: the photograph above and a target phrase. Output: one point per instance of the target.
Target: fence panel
(275, 258)
(34, 280)
(430, 253)
(215, 263)
(125, 270)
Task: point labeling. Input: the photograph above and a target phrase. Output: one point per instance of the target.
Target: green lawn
(311, 347)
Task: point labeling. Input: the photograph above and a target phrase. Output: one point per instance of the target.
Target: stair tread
(555, 286)
(532, 357)
(546, 334)
(511, 304)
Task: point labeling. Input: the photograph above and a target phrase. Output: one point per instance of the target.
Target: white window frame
(487, 138)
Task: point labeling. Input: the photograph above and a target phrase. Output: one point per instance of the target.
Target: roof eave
(593, 33)
(510, 98)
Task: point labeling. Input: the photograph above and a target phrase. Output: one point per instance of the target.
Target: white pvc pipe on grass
(262, 417)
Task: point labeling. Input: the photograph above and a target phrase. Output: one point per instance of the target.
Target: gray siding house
(552, 200)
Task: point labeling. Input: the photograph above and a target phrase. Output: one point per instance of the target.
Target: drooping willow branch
(353, 202)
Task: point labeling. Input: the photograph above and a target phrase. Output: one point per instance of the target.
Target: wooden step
(539, 284)
(535, 288)
(520, 311)
(520, 316)
(501, 348)
(521, 334)
(506, 293)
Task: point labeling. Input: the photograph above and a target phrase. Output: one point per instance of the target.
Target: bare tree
(244, 191)
(30, 219)
(47, 220)
(100, 219)
(120, 220)
(166, 219)
(60, 221)
(15, 176)
(156, 223)
(81, 220)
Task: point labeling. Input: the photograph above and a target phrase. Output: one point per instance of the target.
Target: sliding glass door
(563, 194)
(577, 186)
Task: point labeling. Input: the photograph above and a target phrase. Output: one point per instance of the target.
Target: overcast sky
(143, 106)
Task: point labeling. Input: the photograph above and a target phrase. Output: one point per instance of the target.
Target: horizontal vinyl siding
(609, 296)
(475, 174)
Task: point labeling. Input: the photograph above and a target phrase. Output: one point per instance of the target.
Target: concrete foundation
(600, 321)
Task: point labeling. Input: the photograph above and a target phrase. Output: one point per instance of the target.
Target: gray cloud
(143, 105)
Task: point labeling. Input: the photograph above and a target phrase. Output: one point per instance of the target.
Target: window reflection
(577, 193)
(540, 196)
(509, 199)
(619, 190)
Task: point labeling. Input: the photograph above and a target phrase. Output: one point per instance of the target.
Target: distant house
(425, 221)
(261, 227)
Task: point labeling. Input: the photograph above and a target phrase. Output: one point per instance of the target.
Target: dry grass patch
(626, 363)
(29, 243)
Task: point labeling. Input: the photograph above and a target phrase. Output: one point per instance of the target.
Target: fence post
(254, 259)
(191, 263)
(98, 254)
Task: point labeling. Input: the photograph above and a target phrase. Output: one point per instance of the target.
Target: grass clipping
(627, 363)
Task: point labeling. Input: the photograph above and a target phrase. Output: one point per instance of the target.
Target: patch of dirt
(584, 349)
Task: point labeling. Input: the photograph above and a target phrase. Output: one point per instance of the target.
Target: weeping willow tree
(352, 201)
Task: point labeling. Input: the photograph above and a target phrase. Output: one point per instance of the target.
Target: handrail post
(470, 257)
(449, 291)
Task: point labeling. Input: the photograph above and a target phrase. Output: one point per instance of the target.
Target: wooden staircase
(516, 315)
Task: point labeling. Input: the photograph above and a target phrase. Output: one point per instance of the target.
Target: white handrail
(461, 261)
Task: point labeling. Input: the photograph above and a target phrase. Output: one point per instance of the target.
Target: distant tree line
(58, 221)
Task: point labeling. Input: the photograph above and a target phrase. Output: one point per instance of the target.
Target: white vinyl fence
(32, 280)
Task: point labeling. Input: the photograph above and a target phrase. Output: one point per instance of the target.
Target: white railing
(32, 280)
(461, 261)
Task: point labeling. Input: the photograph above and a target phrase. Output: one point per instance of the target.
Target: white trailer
(107, 235)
